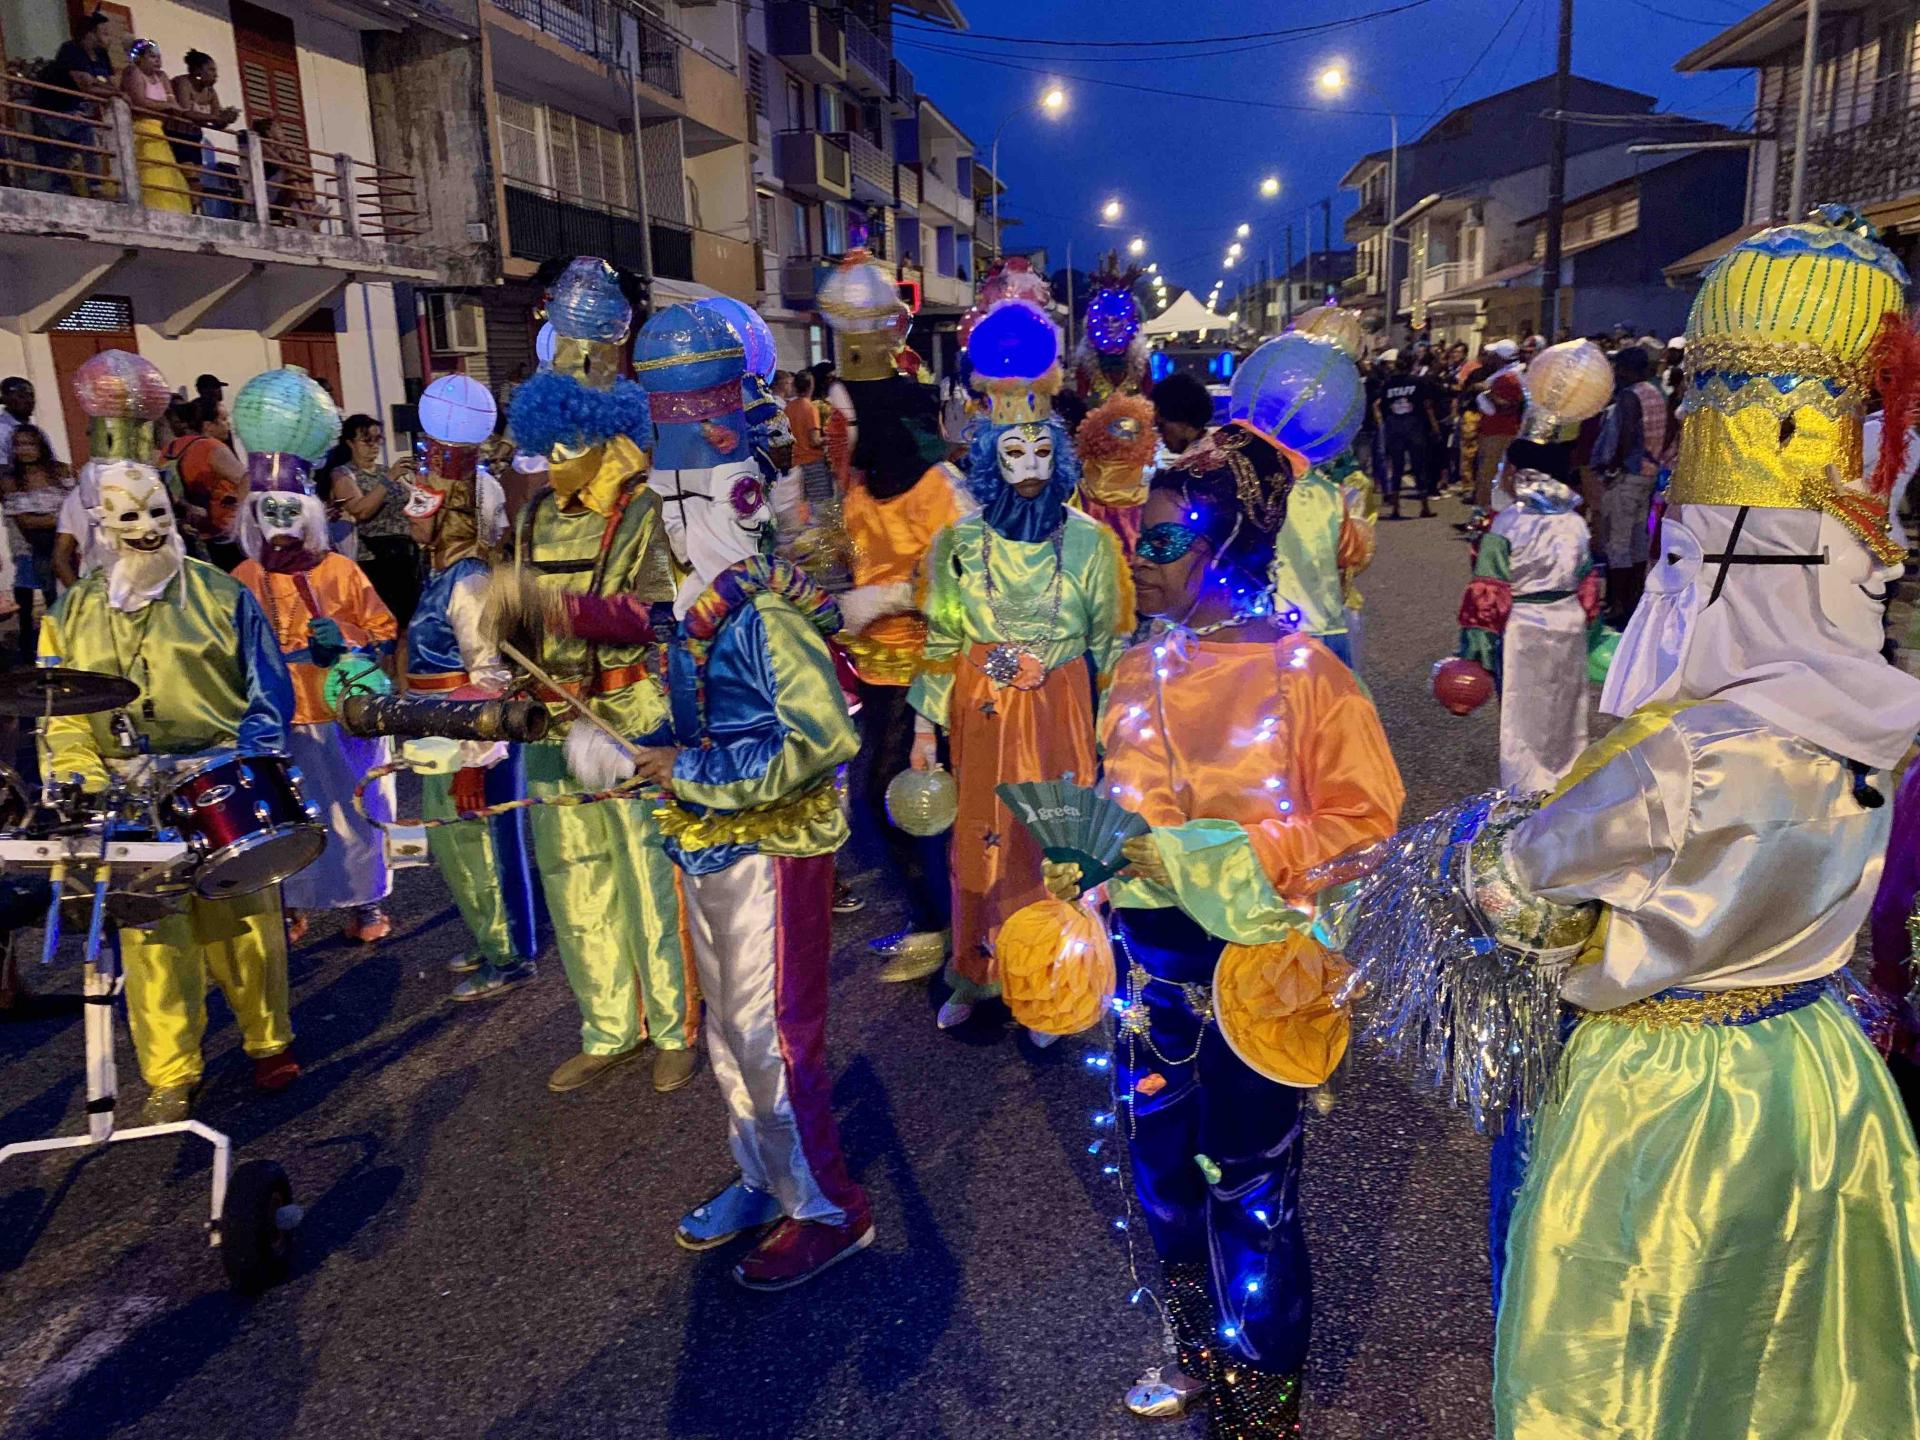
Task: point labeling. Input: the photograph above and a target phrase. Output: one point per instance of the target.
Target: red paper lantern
(1462, 685)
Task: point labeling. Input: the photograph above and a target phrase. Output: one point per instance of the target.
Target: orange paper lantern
(1275, 1007)
(1462, 685)
(1056, 967)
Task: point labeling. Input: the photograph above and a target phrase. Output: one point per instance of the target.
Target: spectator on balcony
(144, 84)
(33, 485)
(198, 109)
(290, 195)
(80, 68)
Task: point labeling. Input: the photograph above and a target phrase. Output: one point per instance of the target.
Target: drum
(247, 820)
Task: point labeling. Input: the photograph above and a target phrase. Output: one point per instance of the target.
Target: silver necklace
(1018, 658)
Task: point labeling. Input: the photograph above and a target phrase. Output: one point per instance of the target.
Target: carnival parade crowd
(1103, 648)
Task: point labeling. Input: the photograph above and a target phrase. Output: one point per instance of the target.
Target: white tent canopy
(1185, 316)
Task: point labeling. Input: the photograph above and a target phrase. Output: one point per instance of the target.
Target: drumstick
(633, 751)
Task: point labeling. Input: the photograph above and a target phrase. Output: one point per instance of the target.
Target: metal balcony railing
(869, 52)
(906, 187)
(1879, 160)
(905, 91)
(870, 166)
(543, 225)
(617, 33)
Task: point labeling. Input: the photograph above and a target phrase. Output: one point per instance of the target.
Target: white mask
(1026, 453)
(136, 522)
(278, 517)
(714, 519)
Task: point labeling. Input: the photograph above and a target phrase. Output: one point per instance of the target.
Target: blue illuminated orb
(586, 304)
(756, 336)
(687, 347)
(1014, 341)
(1112, 320)
(1304, 392)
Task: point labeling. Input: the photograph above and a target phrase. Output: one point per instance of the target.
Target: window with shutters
(269, 72)
(520, 140)
(757, 82)
(565, 155)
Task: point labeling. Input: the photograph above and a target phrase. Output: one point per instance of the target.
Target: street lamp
(1110, 210)
(1050, 104)
(1154, 268)
(1244, 231)
(1235, 249)
(1137, 246)
(1229, 262)
(1333, 79)
(1270, 186)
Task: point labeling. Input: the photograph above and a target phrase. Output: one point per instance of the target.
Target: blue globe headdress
(1015, 351)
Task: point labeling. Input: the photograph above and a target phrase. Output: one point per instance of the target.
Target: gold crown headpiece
(859, 302)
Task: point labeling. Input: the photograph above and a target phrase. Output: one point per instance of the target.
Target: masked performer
(457, 517)
(747, 764)
(1254, 754)
(1020, 596)
(898, 500)
(1718, 1235)
(1116, 444)
(211, 678)
(610, 889)
(322, 608)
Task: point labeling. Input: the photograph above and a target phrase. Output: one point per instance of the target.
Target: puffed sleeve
(366, 613)
(945, 610)
(784, 723)
(269, 687)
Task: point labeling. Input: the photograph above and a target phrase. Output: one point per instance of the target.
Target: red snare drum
(246, 818)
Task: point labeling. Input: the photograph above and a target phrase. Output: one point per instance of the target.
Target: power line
(1684, 19)
(1318, 27)
(1441, 108)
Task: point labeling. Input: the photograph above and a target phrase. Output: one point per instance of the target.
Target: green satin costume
(611, 891)
(463, 853)
(1306, 553)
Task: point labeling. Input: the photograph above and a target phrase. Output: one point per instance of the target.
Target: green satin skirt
(1718, 1239)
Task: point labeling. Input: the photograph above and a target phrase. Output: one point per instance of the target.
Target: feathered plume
(1121, 429)
(1895, 362)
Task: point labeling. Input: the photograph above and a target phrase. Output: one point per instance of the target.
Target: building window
(834, 226)
(796, 116)
(566, 155)
(832, 109)
(766, 224)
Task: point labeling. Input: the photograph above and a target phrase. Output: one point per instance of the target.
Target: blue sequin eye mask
(1165, 543)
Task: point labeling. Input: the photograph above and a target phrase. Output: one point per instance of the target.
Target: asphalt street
(482, 1258)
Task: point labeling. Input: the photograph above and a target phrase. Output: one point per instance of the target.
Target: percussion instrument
(247, 822)
(49, 690)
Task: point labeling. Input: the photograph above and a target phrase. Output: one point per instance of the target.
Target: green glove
(325, 643)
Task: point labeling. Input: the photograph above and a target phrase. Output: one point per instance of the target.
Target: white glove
(926, 750)
(864, 604)
(596, 761)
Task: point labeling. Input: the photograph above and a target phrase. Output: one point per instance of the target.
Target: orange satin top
(890, 541)
(344, 595)
(1276, 737)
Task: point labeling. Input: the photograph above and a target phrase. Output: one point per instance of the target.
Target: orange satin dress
(890, 540)
(342, 593)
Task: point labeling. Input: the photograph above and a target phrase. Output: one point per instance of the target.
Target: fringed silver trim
(1434, 986)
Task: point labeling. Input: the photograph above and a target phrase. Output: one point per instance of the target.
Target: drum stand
(253, 1214)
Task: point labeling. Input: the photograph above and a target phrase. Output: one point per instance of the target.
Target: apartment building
(244, 273)
(1863, 138)
(546, 129)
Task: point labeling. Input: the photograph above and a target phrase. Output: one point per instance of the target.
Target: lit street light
(1334, 80)
(1054, 101)
(1244, 231)
(1049, 104)
(1229, 262)
(1137, 246)
(1110, 210)
(1235, 249)
(1270, 186)
(1154, 268)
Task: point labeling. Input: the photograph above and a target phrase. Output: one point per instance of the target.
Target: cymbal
(27, 694)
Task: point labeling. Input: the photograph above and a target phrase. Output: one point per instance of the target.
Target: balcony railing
(543, 225)
(617, 34)
(813, 163)
(808, 38)
(1879, 160)
(906, 191)
(872, 171)
(67, 143)
(936, 193)
(868, 68)
(905, 93)
(1371, 215)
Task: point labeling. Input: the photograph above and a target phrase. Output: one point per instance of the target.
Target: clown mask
(714, 519)
(1026, 459)
(282, 519)
(136, 524)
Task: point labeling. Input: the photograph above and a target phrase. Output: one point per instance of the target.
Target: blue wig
(553, 409)
(1001, 506)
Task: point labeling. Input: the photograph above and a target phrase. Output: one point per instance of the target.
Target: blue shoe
(735, 1211)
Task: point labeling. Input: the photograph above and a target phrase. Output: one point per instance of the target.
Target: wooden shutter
(269, 71)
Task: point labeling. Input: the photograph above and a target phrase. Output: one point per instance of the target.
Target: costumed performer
(456, 514)
(1720, 1163)
(1333, 517)
(895, 504)
(211, 680)
(122, 395)
(1020, 597)
(1255, 756)
(595, 530)
(1116, 445)
(759, 726)
(322, 608)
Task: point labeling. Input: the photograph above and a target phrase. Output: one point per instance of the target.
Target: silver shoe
(1155, 1397)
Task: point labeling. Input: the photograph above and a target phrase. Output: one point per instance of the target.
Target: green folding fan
(1073, 824)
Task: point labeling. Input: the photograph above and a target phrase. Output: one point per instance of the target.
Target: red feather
(1895, 362)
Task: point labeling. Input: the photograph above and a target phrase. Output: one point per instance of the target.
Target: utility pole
(1557, 180)
(1809, 63)
(1326, 234)
(1286, 280)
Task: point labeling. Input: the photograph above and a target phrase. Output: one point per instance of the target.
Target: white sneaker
(954, 1013)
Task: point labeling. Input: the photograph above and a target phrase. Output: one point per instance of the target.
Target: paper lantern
(585, 303)
(1462, 685)
(544, 343)
(756, 336)
(923, 802)
(286, 412)
(119, 385)
(1566, 384)
(1056, 967)
(457, 410)
(1302, 390)
(1331, 322)
(1014, 341)
(1275, 1004)
(858, 295)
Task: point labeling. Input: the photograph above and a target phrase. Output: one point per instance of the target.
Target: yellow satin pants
(614, 899)
(242, 944)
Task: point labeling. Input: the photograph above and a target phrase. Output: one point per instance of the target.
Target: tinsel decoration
(1478, 1019)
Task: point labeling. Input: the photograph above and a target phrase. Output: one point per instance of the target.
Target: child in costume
(457, 516)
(1718, 1233)
(747, 765)
(322, 608)
(1020, 597)
(211, 680)
(898, 501)
(1255, 756)
(610, 888)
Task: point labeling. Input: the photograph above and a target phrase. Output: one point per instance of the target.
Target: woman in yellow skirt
(144, 82)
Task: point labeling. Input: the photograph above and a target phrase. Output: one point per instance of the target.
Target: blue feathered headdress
(1000, 505)
(553, 409)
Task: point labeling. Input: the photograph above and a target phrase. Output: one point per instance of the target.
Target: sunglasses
(1165, 543)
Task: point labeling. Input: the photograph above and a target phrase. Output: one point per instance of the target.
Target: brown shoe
(674, 1068)
(798, 1250)
(584, 1069)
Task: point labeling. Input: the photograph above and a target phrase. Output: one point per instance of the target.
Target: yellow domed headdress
(1792, 332)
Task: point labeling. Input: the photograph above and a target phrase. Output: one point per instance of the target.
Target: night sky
(1188, 168)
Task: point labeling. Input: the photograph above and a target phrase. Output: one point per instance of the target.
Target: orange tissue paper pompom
(1056, 967)
(1275, 1004)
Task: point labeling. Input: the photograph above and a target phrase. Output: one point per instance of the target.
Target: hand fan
(1075, 825)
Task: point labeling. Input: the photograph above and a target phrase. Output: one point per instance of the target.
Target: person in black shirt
(80, 64)
(1405, 412)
